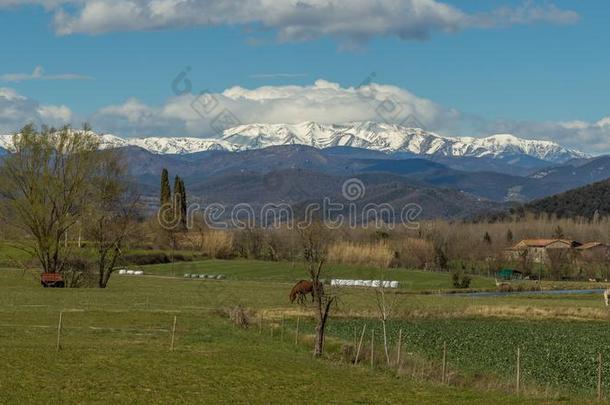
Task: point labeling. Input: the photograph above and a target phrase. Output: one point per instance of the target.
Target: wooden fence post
(171, 348)
(296, 336)
(59, 327)
(599, 377)
(518, 370)
(260, 324)
(360, 344)
(372, 348)
(399, 348)
(444, 369)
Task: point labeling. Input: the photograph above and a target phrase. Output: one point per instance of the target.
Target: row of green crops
(561, 354)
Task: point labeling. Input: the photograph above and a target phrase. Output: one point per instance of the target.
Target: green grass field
(287, 272)
(115, 342)
(115, 348)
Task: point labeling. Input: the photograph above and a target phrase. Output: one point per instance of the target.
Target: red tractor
(52, 280)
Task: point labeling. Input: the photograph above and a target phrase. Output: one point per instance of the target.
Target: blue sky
(535, 68)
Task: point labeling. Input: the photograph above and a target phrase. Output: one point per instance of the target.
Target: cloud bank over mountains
(196, 115)
(351, 22)
(17, 110)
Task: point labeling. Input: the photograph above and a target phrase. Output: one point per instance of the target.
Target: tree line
(173, 210)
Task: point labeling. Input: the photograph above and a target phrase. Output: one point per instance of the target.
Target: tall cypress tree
(487, 238)
(183, 214)
(177, 201)
(166, 194)
(177, 191)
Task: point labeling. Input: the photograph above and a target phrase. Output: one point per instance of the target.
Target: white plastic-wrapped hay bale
(386, 284)
(203, 276)
(122, 272)
(129, 272)
(194, 275)
(367, 283)
(220, 277)
(359, 283)
(375, 283)
(138, 273)
(187, 275)
(394, 284)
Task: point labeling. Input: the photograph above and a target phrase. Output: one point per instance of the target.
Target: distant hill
(579, 202)
(577, 172)
(209, 167)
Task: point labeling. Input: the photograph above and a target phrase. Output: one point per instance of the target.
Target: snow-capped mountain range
(368, 135)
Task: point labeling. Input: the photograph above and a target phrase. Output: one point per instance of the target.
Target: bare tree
(110, 213)
(560, 262)
(315, 250)
(45, 183)
(57, 180)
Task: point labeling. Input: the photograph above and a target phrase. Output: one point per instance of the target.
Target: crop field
(560, 355)
(115, 343)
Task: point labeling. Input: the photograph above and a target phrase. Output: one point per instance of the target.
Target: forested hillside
(586, 202)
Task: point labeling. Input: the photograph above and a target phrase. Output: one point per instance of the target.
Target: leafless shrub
(78, 272)
(239, 316)
(413, 253)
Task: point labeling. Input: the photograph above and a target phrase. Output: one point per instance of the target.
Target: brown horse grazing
(301, 289)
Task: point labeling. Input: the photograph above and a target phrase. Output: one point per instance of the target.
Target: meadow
(115, 343)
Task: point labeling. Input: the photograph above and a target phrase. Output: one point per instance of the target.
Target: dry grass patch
(361, 254)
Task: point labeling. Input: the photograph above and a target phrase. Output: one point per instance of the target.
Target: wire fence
(406, 349)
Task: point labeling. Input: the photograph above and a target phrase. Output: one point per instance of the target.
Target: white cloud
(324, 102)
(50, 113)
(49, 4)
(352, 22)
(134, 118)
(328, 102)
(528, 12)
(39, 74)
(17, 110)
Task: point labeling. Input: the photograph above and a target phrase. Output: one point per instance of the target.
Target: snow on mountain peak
(379, 136)
(391, 138)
